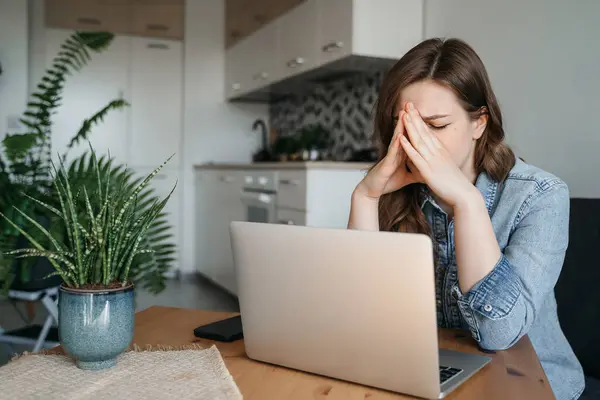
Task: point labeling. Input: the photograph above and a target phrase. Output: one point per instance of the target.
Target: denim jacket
(530, 216)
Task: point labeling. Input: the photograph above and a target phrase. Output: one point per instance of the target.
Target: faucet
(260, 123)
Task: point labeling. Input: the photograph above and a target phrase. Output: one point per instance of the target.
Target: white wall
(542, 57)
(213, 129)
(14, 59)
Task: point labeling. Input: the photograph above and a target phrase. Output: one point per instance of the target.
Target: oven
(259, 196)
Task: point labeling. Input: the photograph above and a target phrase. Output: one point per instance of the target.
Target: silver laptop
(353, 305)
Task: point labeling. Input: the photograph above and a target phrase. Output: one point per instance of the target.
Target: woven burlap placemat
(187, 372)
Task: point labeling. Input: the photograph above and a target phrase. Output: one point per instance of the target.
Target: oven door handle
(259, 197)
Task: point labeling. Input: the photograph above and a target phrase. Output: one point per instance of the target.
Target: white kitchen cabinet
(318, 197)
(262, 67)
(156, 101)
(218, 202)
(381, 28)
(237, 74)
(148, 74)
(369, 28)
(89, 15)
(103, 79)
(292, 189)
(317, 32)
(297, 39)
(252, 63)
(334, 29)
(291, 217)
(229, 187)
(159, 19)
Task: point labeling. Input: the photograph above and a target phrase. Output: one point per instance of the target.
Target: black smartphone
(226, 330)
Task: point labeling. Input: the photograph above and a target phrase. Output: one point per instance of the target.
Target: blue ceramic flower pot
(95, 326)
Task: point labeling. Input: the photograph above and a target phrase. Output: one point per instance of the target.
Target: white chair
(37, 336)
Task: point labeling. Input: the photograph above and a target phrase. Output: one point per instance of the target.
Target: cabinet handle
(287, 222)
(89, 21)
(261, 75)
(295, 62)
(160, 46)
(329, 47)
(226, 178)
(293, 182)
(157, 27)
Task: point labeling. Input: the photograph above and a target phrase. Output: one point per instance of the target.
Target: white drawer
(291, 217)
(291, 191)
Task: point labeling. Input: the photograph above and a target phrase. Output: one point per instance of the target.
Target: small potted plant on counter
(285, 147)
(104, 230)
(315, 141)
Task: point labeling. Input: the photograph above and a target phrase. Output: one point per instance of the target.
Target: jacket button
(487, 307)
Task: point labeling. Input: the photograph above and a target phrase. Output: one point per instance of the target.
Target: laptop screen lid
(348, 304)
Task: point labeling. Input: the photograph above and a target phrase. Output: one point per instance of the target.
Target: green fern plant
(25, 160)
(105, 229)
(31, 151)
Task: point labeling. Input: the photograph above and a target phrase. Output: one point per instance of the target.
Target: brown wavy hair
(454, 64)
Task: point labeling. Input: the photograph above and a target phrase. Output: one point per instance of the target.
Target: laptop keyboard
(448, 372)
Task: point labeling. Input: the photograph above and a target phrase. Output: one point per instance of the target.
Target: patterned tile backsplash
(344, 107)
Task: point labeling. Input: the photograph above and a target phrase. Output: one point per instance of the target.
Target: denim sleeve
(502, 306)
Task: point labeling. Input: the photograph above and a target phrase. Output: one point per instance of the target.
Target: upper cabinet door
(298, 39)
(156, 19)
(156, 101)
(238, 69)
(386, 28)
(334, 29)
(262, 63)
(97, 15)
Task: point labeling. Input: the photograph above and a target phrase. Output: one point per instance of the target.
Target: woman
(499, 226)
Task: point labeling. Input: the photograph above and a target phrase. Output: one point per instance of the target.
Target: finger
(422, 128)
(436, 142)
(416, 158)
(398, 128)
(394, 147)
(415, 137)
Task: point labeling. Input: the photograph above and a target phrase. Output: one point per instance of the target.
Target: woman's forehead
(428, 97)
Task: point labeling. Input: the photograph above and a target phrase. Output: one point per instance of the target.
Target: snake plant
(105, 227)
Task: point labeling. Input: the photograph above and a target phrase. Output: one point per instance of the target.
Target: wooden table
(513, 374)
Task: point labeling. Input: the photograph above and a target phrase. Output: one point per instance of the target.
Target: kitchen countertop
(342, 165)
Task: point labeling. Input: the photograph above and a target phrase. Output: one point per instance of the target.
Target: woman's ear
(480, 124)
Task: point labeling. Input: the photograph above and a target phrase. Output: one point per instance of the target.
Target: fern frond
(87, 124)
